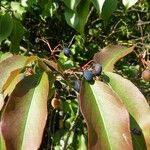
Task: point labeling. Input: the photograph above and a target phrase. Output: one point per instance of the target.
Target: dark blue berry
(77, 85)
(136, 131)
(57, 84)
(88, 75)
(97, 69)
(67, 52)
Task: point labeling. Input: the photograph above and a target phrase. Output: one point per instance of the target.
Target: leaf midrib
(103, 120)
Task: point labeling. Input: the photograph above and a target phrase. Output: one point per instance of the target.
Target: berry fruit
(57, 84)
(146, 75)
(77, 85)
(97, 69)
(55, 102)
(67, 52)
(136, 131)
(88, 75)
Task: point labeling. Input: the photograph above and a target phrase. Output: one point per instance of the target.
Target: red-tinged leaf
(136, 105)
(24, 117)
(106, 117)
(10, 67)
(52, 65)
(5, 56)
(109, 55)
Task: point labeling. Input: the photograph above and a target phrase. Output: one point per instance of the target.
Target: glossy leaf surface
(136, 105)
(108, 8)
(98, 5)
(25, 114)
(106, 117)
(109, 55)
(72, 4)
(16, 36)
(6, 26)
(77, 18)
(129, 3)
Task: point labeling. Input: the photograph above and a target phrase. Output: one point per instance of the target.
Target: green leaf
(98, 5)
(135, 103)
(108, 8)
(72, 4)
(109, 55)
(82, 142)
(83, 12)
(28, 3)
(49, 9)
(17, 9)
(71, 17)
(129, 3)
(77, 18)
(106, 117)
(16, 36)
(25, 114)
(6, 26)
(13, 66)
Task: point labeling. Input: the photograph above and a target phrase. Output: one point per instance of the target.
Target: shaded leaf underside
(24, 117)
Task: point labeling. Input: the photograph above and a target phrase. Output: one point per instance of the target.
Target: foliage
(50, 93)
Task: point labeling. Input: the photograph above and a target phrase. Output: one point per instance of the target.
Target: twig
(70, 43)
(90, 13)
(114, 28)
(140, 27)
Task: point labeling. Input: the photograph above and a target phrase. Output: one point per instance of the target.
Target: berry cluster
(96, 70)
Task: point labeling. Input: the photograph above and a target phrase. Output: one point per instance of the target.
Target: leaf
(77, 18)
(13, 84)
(12, 66)
(1, 101)
(129, 3)
(82, 142)
(98, 5)
(109, 55)
(5, 56)
(2, 142)
(108, 8)
(17, 9)
(135, 103)
(6, 26)
(71, 17)
(28, 3)
(83, 12)
(24, 117)
(72, 4)
(106, 117)
(16, 36)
